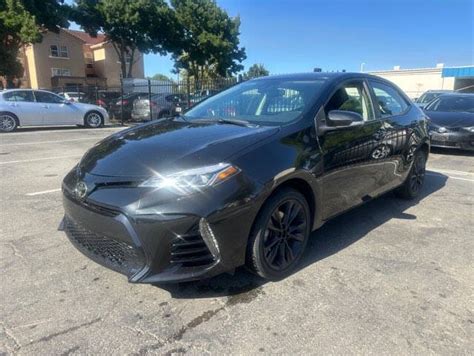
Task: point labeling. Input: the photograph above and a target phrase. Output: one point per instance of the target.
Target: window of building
(60, 72)
(58, 51)
(389, 101)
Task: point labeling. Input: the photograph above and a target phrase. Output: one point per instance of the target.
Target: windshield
(453, 103)
(272, 102)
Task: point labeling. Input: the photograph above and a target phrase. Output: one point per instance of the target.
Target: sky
(290, 36)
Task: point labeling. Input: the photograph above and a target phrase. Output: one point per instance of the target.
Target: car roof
(468, 95)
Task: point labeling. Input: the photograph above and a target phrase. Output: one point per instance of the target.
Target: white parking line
(436, 174)
(43, 192)
(458, 173)
(39, 159)
(45, 142)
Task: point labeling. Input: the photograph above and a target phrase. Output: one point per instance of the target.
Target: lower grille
(190, 250)
(117, 255)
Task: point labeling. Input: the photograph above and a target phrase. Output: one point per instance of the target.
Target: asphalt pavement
(391, 277)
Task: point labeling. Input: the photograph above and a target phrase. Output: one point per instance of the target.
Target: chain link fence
(140, 100)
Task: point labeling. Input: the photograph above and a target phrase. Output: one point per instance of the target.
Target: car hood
(451, 119)
(169, 146)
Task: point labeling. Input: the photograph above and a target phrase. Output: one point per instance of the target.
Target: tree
(162, 77)
(256, 70)
(210, 40)
(130, 26)
(21, 23)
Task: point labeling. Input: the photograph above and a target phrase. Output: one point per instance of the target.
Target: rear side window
(389, 101)
(19, 95)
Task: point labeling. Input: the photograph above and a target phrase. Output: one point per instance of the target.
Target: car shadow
(452, 152)
(332, 237)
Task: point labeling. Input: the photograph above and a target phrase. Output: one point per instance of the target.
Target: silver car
(26, 107)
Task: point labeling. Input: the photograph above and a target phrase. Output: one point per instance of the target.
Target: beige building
(73, 59)
(416, 81)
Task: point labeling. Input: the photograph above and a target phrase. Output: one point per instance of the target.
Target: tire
(8, 122)
(413, 184)
(275, 246)
(93, 119)
(163, 114)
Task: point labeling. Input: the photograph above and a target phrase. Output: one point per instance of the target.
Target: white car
(26, 107)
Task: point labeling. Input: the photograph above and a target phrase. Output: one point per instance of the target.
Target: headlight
(442, 129)
(192, 180)
(470, 129)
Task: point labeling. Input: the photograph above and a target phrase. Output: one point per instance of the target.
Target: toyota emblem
(81, 190)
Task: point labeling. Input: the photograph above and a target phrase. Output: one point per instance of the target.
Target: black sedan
(243, 177)
(452, 121)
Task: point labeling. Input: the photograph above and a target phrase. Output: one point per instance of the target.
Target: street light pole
(362, 67)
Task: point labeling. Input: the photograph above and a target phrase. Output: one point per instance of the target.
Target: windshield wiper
(228, 121)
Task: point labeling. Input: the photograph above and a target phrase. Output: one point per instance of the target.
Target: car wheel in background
(279, 235)
(93, 120)
(8, 122)
(413, 184)
(163, 114)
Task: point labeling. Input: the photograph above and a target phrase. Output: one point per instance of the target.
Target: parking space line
(44, 142)
(449, 171)
(43, 192)
(39, 159)
(436, 174)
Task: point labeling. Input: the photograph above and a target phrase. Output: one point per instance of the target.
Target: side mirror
(341, 118)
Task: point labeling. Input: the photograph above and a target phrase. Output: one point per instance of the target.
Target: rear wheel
(279, 235)
(414, 182)
(8, 122)
(93, 120)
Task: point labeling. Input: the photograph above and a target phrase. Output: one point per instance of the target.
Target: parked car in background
(105, 99)
(162, 105)
(428, 96)
(73, 96)
(125, 103)
(201, 95)
(452, 121)
(243, 177)
(26, 107)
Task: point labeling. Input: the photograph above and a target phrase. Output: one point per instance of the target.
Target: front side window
(389, 101)
(351, 97)
(452, 103)
(19, 95)
(267, 102)
(46, 97)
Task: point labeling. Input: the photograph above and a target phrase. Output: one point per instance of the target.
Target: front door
(55, 110)
(352, 170)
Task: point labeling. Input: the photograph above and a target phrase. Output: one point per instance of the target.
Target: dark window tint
(452, 103)
(351, 97)
(45, 97)
(389, 101)
(20, 95)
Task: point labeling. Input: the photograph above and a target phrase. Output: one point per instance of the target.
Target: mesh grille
(117, 255)
(190, 250)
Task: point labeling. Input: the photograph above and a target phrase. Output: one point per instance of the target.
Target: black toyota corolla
(244, 176)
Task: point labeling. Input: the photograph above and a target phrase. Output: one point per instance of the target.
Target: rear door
(351, 174)
(23, 105)
(398, 139)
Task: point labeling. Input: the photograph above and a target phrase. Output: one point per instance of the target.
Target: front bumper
(171, 247)
(456, 139)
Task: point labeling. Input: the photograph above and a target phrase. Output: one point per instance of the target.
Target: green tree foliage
(256, 70)
(21, 23)
(162, 77)
(131, 26)
(209, 43)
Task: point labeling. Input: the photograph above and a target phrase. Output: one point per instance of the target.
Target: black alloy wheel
(280, 235)
(414, 182)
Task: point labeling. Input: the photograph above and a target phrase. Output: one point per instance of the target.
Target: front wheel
(93, 120)
(414, 182)
(279, 235)
(8, 122)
